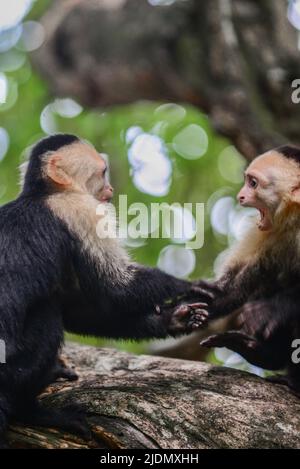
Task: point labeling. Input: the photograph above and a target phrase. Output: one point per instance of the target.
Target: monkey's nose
(241, 198)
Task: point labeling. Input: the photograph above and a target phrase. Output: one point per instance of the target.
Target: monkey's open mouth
(262, 217)
(264, 223)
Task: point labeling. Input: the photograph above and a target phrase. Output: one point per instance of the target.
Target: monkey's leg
(254, 351)
(70, 418)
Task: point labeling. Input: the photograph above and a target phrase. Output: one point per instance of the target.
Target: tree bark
(235, 59)
(152, 402)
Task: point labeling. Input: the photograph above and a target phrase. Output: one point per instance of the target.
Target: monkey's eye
(252, 182)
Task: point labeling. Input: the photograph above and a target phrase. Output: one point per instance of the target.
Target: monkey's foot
(188, 317)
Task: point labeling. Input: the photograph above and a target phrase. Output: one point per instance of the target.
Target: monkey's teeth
(262, 216)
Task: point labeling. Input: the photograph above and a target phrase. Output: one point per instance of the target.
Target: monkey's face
(271, 182)
(79, 167)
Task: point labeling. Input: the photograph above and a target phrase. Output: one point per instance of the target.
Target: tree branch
(152, 402)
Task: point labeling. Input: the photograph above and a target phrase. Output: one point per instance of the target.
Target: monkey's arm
(266, 328)
(263, 318)
(231, 291)
(129, 311)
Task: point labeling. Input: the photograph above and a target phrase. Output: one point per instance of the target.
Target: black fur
(267, 302)
(290, 151)
(34, 182)
(41, 265)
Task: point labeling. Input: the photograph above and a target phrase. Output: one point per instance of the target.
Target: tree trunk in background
(151, 402)
(234, 59)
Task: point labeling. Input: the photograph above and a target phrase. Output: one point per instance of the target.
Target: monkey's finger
(196, 306)
(199, 315)
(201, 312)
(198, 319)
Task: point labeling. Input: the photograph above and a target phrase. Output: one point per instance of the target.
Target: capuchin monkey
(259, 282)
(61, 369)
(59, 270)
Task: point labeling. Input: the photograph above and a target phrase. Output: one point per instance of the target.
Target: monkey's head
(63, 162)
(272, 185)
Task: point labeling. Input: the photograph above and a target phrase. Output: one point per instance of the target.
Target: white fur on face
(77, 208)
(281, 175)
(78, 212)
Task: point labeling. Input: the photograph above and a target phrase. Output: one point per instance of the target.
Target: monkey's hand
(199, 291)
(187, 317)
(257, 319)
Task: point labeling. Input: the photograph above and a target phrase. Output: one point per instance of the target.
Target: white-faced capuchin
(260, 280)
(58, 272)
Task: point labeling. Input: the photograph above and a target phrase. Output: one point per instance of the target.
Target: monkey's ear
(56, 172)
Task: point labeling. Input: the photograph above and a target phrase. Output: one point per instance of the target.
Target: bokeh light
(161, 2)
(191, 142)
(170, 112)
(150, 164)
(183, 225)
(13, 12)
(66, 107)
(10, 37)
(231, 165)
(3, 88)
(33, 35)
(294, 13)
(11, 90)
(12, 60)
(177, 260)
(4, 142)
(219, 216)
(47, 120)
(233, 360)
(132, 133)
